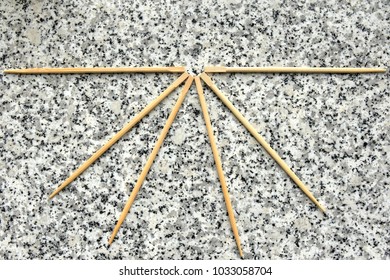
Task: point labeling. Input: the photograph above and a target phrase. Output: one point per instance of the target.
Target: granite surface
(332, 130)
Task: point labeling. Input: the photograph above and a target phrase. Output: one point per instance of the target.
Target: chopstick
(260, 139)
(336, 70)
(122, 132)
(208, 69)
(218, 164)
(97, 70)
(152, 156)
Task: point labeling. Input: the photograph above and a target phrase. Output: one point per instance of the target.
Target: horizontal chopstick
(330, 70)
(97, 70)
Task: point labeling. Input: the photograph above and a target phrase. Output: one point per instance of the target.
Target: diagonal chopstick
(122, 132)
(260, 139)
(218, 164)
(152, 156)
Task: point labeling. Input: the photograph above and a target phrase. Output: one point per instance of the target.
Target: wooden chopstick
(260, 139)
(218, 164)
(122, 132)
(221, 69)
(152, 156)
(97, 70)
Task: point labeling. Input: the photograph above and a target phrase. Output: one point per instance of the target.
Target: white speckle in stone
(302, 223)
(34, 36)
(179, 136)
(116, 107)
(37, 6)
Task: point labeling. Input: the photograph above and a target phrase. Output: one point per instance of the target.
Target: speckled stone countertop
(332, 130)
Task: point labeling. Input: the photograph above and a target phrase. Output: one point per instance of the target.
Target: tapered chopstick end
(111, 239)
(52, 195)
(322, 208)
(241, 254)
(9, 71)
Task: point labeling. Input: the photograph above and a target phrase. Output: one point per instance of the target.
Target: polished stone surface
(333, 130)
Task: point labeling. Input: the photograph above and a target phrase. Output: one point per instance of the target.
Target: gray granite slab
(333, 130)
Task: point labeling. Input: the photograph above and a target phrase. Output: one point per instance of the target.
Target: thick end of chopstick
(215, 69)
(177, 69)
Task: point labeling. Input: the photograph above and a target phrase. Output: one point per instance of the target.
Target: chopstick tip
(322, 208)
